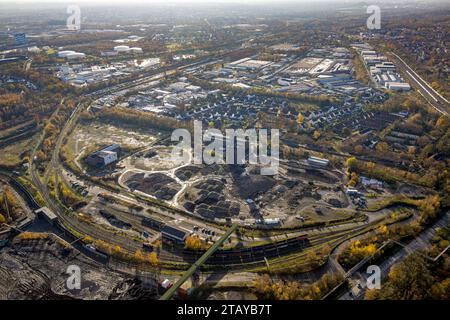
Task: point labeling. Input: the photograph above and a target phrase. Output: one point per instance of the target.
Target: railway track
(71, 224)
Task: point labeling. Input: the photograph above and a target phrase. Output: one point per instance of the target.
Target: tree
(316, 134)
(429, 209)
(382, 147)
(442, 121)
(139, 256)
(353, 180)
(88, 239)
(193, 242)
(2, 219)
(359, 149)
(326, 249)
(313, 258)
(9, 196)
(152, 257)
(441, 290)
(117, 251)
(357, 251)
(40, 156)
(293, 290)
(408, 280)
(262, 285)
(411, 149)
(350, 163)
(383, 230)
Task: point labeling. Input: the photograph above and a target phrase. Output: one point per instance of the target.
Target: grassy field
(12, 155)
(93, 134)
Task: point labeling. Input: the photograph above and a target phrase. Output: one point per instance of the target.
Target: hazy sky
(187, 1)
(105, 2)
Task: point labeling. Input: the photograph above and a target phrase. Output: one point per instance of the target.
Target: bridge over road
(169, 293)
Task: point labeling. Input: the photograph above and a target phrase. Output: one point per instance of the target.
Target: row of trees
(119, 252)
(136, 118)
(266, 288)
(10, 208)
(360, 249)
(428, 210)
(52, 128)
(415, 279)
(390, 174)
(67, 196)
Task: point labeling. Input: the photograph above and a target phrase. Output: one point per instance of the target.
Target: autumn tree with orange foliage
(193, 242)
(355, 252)
(2, 219)
(414, 279)
(266, 288)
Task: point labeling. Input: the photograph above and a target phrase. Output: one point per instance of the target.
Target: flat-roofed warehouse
(398, 86)
(304, 65)
(104, 156)
(318, 162)
(248, 64)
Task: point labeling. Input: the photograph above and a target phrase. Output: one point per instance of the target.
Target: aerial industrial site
(224, 151)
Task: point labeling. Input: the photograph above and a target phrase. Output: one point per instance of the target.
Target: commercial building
(398, 86)
(383, 71)
(127, 49)
(318, 162)
(104, 156)
(352, 192)
(70, 54)
(20, 38)
(109, 53)
(385, 66)
(248, 64)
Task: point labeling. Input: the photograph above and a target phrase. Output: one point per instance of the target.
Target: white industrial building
(107, 156)
(127, 49)
(34, 49)
(248, 64)
(385, 66)
(108, 53)
(318, 162)
(383, 71)
(371, 183)
(398, 86)
(70, 54)
(104, 156)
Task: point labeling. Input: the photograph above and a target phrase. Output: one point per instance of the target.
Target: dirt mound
(187, 172)
(209, 201)
(250, 186)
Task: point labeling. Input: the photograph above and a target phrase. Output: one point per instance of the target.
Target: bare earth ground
(36, 269)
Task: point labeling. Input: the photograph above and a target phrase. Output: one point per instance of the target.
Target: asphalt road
(437, 101)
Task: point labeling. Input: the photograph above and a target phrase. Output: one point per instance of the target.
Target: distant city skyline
(215, 1)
